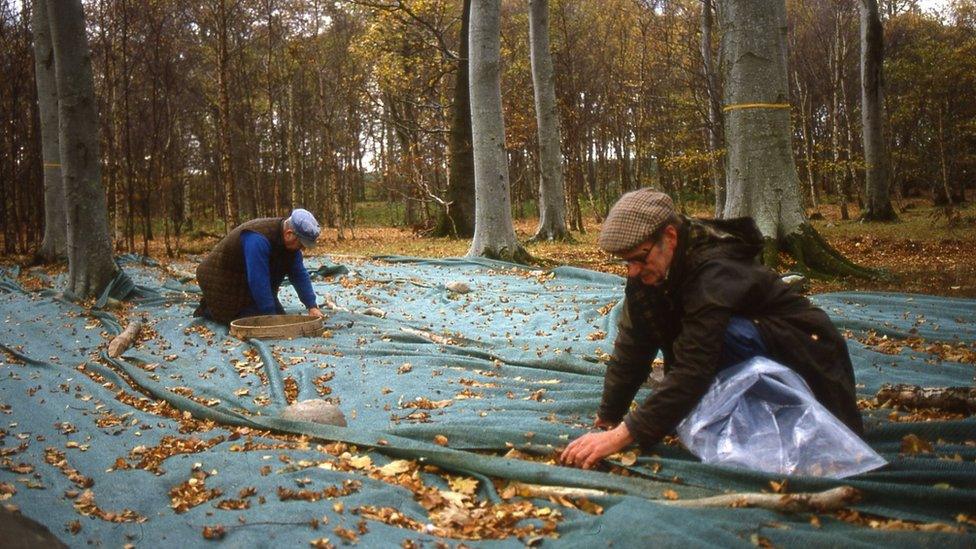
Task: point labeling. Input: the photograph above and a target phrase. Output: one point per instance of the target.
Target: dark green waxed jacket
(715, 274)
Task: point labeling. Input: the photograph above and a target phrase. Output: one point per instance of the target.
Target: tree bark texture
(714, 108)
(761, 180)
(459, 217)
(90, 262)
(124, 340)
(55, 243)
(878, 206)
(231, 216)
(761, 174)
(494, 234)
(552, 191)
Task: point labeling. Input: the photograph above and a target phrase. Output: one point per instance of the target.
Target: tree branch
(123, 341)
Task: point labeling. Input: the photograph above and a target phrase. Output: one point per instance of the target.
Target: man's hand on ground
(589, 449)
(315, 311)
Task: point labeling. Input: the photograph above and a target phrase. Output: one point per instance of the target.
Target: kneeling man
(242, 274)
(697, 292)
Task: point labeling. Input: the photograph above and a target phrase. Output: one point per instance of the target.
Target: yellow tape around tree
(728, 108)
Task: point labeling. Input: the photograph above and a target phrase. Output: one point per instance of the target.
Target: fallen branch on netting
(543, 491)
(960, 400)
(123, 341)
(828, 500)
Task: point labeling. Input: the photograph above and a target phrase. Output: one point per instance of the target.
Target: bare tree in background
(714, 107)
(878, 203)
(494, 235)
(552, 192)
(458, 218)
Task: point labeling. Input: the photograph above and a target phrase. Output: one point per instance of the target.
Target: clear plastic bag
(761, 415)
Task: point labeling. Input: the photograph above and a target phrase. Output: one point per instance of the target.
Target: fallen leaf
(464, 485)
(214, 532)
(625, 458)
(360, 462)
(912, 444)
(395, 467)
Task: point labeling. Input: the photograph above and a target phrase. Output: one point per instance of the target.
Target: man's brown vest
(222, 275)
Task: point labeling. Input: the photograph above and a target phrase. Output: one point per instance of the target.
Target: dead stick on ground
(828, 500)
(123, 341)
(950, 399)
(429, 336)
(543, 491)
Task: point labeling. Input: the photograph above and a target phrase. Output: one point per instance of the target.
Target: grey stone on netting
(315, 410)
(458, 287)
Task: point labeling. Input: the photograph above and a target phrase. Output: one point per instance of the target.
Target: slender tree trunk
(229, 180)
(852, 184)
(494, 234)
(294, 172)
(878, 201)
(762, 179)
(715, 164)
(942, 196)
(55, 243)
(805, 123)
(130, 176)
(90, 262)
(835, 172)
(552, 191)
(113, 182)
(458, 218)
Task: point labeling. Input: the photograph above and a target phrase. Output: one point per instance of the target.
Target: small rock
(315, 410)
(374, 311)
(458, 287)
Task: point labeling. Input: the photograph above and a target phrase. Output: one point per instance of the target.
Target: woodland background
(212, 112)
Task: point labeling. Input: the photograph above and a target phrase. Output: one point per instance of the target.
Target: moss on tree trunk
(516, 255)
(816, 257)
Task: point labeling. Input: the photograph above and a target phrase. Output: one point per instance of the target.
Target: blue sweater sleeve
(257, 262)
(301, 282)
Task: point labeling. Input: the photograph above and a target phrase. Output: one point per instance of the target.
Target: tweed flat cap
(634, 218)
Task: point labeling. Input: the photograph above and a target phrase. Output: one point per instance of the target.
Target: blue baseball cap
(305, 226)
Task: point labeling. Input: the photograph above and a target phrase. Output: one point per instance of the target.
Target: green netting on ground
(517, 362)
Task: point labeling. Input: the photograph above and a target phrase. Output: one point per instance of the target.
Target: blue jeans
(741, 342)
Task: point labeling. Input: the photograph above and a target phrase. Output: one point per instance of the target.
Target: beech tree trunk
(55, 243)
(552, 192)
(878, 201)
(494, 234)
(761, 177)
(458, 218)
(90, 263)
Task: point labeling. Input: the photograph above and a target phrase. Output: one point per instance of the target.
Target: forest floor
(925, 252)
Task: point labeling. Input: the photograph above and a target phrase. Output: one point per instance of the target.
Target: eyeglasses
(642, 259)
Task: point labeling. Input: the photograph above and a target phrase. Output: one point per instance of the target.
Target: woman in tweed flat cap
(697, 293)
